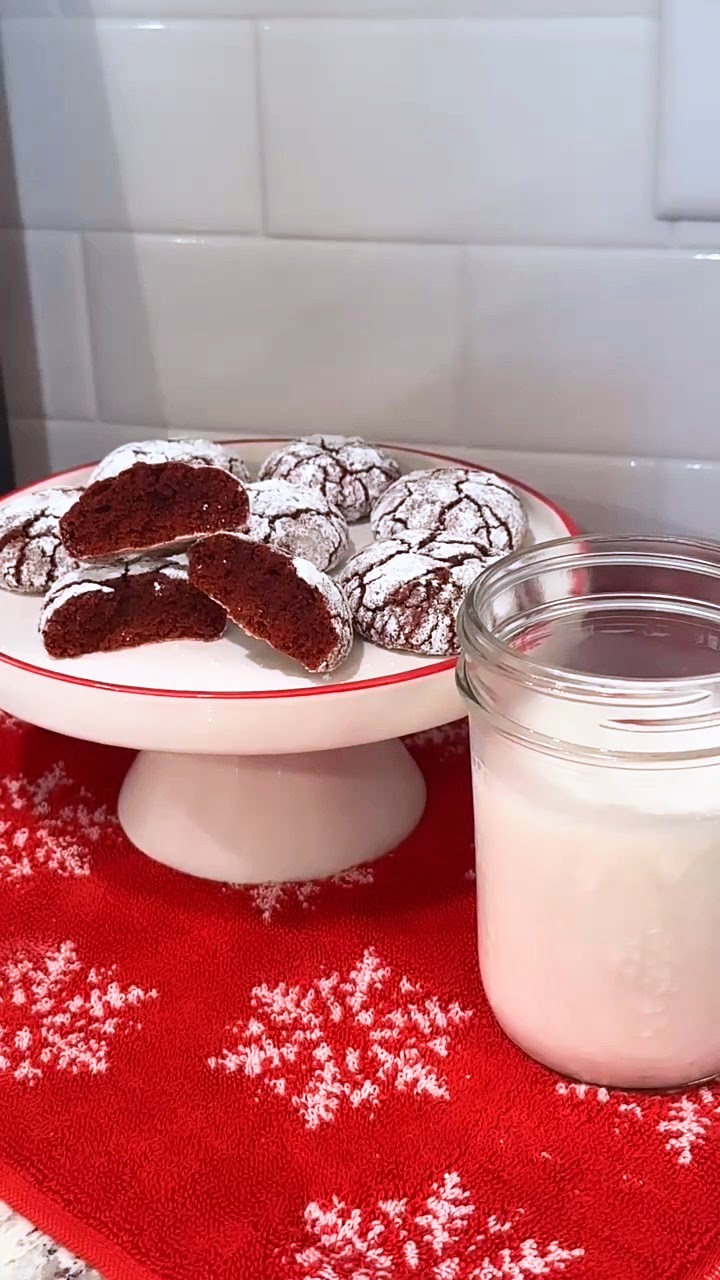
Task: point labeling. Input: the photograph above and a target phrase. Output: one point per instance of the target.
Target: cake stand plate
(250, 770)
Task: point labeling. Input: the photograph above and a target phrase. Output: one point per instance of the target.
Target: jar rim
(575, 555)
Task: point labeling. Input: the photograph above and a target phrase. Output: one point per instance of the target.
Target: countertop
(25, 1254)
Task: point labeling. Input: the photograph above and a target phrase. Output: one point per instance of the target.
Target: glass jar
(592, 670)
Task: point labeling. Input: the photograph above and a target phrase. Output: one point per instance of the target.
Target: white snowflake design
(449, 739)
(271, 899)
(56, 1014)
(50, 824)
(442, 1237)
(685, 1123)
(345, 1041)
(10, 722)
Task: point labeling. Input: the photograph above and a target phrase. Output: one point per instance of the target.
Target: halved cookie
(285, 601)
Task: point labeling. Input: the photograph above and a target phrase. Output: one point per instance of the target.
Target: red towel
(201, 1082)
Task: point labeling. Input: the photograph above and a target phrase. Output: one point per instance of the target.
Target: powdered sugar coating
(32, 556)
(193, 453)
(106, 577)
(299, 521)
(348, 471)
(338, 608)
(469, 504)
(405, 592)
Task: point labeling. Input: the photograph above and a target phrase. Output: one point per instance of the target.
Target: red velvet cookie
(405, 592)
(299, 521)
(195, 453)
(152, 496)
(119, 606)
(32, 556)
(469, 504)
(285, 601)
(348, 471)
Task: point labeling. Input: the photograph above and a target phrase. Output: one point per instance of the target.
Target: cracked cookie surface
(405, 592)
(469, 504)
(348, 471)
(299, 521)
(32, 556)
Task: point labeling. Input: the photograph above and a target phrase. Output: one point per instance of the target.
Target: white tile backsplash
(602, 352)
(44, 339)
(421, 130)
(688, 175)
(29, 8)
(144, 124)
(260, 335)
(428, 220)
(42, 448)
(696, 235)
(621, 495)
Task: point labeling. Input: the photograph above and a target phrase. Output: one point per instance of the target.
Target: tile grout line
(437, 442)
(464, 357)
(91, 345)
(260, 131)
(383, 13)
(671, 246)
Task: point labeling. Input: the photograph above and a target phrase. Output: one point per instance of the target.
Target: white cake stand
(249, 770)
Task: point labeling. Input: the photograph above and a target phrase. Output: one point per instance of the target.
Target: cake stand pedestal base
(251, 819)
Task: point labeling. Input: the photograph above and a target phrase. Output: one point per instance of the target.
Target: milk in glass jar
(592, 671)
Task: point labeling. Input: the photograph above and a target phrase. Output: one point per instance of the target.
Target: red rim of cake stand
(401, 677)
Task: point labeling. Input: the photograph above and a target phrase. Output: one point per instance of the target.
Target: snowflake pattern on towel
(345, 1041)
(11, 722)
(57, 1014)
(683, 1122)
(51, 824)
(440, 1237)
(271, 899)
(447, 741)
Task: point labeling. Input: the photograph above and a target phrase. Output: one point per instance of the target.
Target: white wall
(417, 219)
